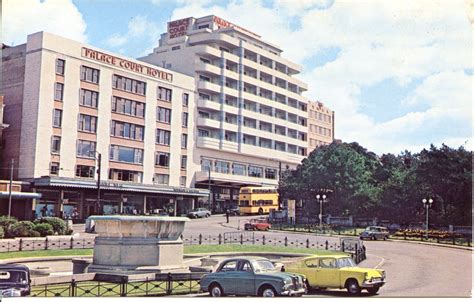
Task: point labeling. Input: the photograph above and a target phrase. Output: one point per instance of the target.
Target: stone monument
(138, 244)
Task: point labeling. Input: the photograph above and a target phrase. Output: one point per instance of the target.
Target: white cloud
(24, 17)
(139, 30)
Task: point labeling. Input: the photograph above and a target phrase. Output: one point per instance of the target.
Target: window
(54, 168)
(126, 154)
(162, 179)
(125, 175)
(185, 119)
(203, 26)
(60, 66)
(206, 164)
(130, 85)
(55, 144)
(184, 141)
(128, 107)
(88, 98)
(164, 94)
(57, 117)
(162, 159)
(238, 169)
(222, 167)
(87, 123)
(270, 173)
(59, 91)
(229, 266)
(203, 133)
(85, 148)
(85, 171)
(255, 171)
(182, 181)
(163, 115)
(89, 74)
(175, 47)
(184, 160)
(126, 130)
(185, 99)
(163, 137)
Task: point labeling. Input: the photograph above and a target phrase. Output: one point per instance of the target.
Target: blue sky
(397, 73)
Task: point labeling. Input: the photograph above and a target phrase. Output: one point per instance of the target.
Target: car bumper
(293, 292)
(371, 284)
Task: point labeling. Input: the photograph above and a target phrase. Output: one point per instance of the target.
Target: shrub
(6, 222)
(34, 234)
(44, 229)
(20, 229)
(2, 233)
(59, 225)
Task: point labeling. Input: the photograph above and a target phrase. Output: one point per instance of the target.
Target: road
(413, 270)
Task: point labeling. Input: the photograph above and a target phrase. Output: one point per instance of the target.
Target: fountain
(137, 244)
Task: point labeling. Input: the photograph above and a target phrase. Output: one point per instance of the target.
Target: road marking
(380, 263)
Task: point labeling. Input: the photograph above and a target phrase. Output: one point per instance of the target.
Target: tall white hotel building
(213, 107)
(250, 115)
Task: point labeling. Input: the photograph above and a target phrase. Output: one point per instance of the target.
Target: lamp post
(321, 199)
(427, 205)
(98, 157)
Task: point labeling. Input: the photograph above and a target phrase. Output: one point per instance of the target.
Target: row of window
(320, 116)
(85, 171)
(317, 143)
(320, 130)
(238, 169)
(91, 75)
(117, 153)
(88, 123)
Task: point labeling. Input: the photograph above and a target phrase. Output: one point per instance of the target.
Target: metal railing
(161, 285)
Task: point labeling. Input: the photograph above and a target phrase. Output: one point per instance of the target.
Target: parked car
(374, 233)
(337, 271)
(257, 225)
(252, 276)
(14, 280)
(234, 210)
(199, 213)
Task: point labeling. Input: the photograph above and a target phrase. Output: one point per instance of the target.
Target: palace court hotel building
(250, 114)
(67, 103)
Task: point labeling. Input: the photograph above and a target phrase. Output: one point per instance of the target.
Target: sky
(398, 74)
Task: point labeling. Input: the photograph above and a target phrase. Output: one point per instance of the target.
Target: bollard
(220, 239)
(327, 243)
(20, 247)
(263, 240)
(307, 243)
(169, 284)
(46, 243)
(71, 246)
(342, 246)
(200, 239)
(241, 239)
(286, 241)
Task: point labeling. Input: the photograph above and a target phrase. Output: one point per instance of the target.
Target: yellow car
(337, 271)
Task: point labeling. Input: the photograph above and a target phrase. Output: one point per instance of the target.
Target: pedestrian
(44, 210)
(227, 214)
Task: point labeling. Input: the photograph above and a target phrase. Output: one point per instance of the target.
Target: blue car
(252, 276)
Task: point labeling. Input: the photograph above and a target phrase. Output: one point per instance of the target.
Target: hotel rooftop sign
(126, 64)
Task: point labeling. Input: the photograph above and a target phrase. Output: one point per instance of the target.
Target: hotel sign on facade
(126, 64)
(178, 28)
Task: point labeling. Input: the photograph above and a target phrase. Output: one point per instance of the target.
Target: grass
(189, 249)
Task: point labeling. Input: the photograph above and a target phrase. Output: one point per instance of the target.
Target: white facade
(250, 116)
(36, 154)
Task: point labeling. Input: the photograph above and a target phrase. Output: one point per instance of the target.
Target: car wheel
(268, 291)
(373, 290)
(373, 238)
(215, 290)
(207, 215)
(385, 238)
(260, 211)
(353, 287)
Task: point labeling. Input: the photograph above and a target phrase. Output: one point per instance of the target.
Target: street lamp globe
(430, 201)
(317, 196)
(324, 196)
(424, 200)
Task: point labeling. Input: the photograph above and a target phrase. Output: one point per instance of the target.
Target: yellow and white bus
(258, 200)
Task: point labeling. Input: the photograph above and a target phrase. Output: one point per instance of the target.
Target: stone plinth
(133, 244)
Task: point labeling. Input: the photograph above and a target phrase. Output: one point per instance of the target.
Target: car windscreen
(345, 262)
(263, 265)
(13, 276)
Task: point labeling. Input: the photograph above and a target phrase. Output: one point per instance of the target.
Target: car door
(309, 269)
(327, 273)
(245, 278)
(228, 277)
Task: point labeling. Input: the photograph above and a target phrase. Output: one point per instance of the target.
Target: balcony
(208, 104)
(209, 123)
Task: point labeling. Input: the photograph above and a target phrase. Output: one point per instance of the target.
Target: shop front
(78, 199)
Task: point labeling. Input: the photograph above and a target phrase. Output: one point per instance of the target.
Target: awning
(19, 195)
(117, 186)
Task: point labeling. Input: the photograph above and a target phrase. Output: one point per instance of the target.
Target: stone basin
(131, 244)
